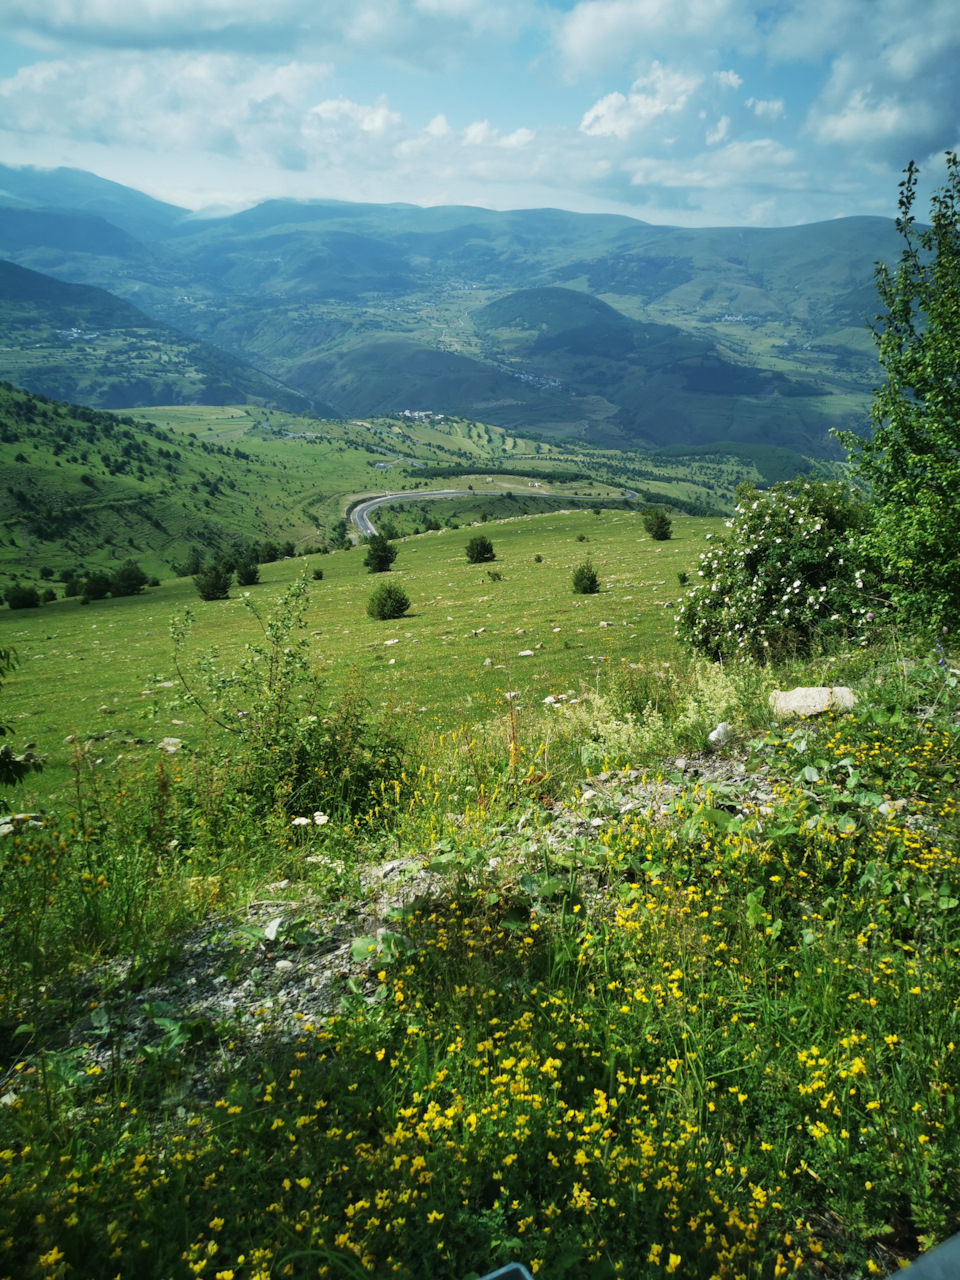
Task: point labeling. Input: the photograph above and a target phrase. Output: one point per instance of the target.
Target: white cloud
(766, 108)
(375, 119)
(599, 33)
(718, 132)
(479, 133)
(759, 163)
(662, 92)
(423, 32)
(163, 102)
(519, 138)
(727, 79)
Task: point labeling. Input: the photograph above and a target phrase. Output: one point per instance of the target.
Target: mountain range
(561, 324)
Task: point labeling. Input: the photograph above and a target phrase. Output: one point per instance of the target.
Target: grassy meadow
(630, 1019)
(111, 663)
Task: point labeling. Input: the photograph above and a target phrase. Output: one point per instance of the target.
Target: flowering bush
(791, 572)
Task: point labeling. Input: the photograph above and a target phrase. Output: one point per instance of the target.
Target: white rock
(720, 734)
(388, 643)
(488, 662)
(283, 965)
(525, 653)
(812, 701)
(170, 745)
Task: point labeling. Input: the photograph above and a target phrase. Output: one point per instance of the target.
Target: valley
(657, 335)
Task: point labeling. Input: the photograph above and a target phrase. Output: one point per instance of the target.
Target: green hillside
(747, 335)
(80, 343)
(85, 489)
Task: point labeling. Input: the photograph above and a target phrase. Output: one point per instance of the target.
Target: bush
(388, 601)
(659, 525)
(48, 595)
(96, 586)
(380, 554)
(288, 748)
(318, 575)
(790, 575)
(585, 580)
(213, 582)
(248, 573)
(480, 549)
(128, 580)
(193, 564)
(538, 559)
(72, 589)
(19, 597)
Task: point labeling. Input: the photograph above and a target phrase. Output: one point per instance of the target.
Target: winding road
(360, 518)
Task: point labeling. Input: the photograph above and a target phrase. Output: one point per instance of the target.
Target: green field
(111, 662)
(88, 490)
(511, 966)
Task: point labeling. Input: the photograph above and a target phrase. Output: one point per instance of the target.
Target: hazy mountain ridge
(716, 333)
(79, 343)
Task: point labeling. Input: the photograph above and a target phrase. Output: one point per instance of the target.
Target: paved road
(359, 516)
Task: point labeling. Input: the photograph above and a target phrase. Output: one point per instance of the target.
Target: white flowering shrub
(791, 573)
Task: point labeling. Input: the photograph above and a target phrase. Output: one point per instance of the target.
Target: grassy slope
(292, 480)
(438, 664)
(78, 343)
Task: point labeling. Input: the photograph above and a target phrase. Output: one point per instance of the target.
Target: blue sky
(693, 112)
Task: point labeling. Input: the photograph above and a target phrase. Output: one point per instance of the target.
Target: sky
(687, 112)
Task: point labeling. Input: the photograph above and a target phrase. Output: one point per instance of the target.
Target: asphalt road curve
(360, 515)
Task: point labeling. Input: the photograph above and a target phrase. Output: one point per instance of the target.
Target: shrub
(582, 537)
(286, 748)
(213, 582)
(388, 601)
(380, 554)
(494, 575)
(153, 582)
(480, 549)
(20, 597)
(248, 573)
(72, 589)
(318, 575)
(538, 559)
(659, 525)
(585, 580)
(48, 595)
(790, 574)
(96, 586)
(193, 564)
(128, 580)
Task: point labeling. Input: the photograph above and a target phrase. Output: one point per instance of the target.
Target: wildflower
(300, 822)
(321, 819)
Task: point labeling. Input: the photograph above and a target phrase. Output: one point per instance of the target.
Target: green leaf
(363, 948)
